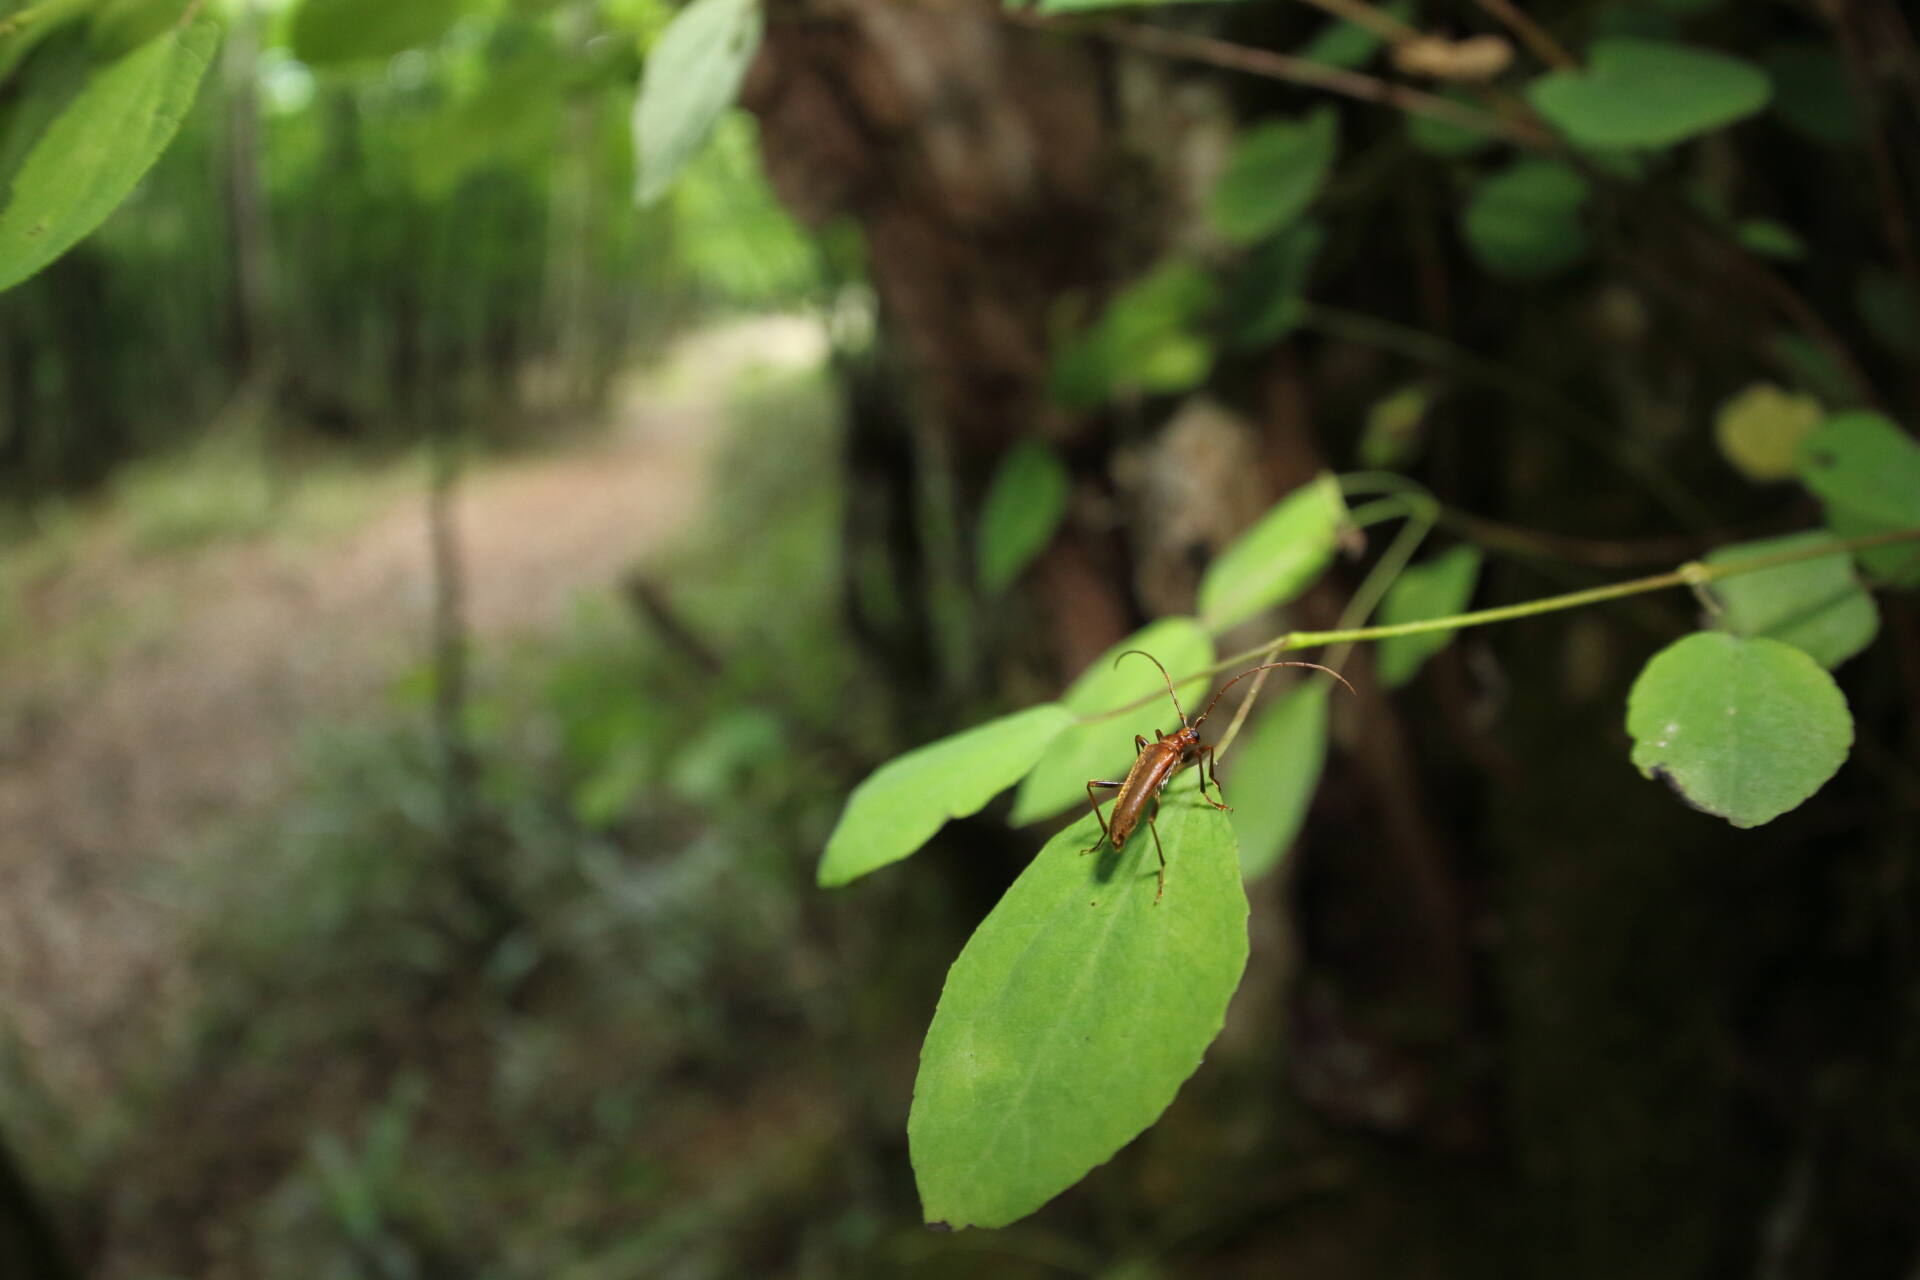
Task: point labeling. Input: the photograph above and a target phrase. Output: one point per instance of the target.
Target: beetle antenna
(1265, 666)
(1163, 675)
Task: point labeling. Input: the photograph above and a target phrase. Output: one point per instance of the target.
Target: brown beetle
(1155, 763)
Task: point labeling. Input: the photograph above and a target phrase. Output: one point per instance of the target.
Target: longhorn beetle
(1155, 763)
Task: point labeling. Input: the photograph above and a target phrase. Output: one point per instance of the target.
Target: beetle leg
(1140, 743)
(1207, 767)
(1155, 828)
(1104, 833)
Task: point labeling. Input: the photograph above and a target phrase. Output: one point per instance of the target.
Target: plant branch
(1228, 56)
(1531, 34)
(1692, 575)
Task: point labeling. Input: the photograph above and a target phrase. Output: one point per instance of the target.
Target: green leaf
(1395, 425)
(692, 75)
(1444, 138)
(1815, 605)
(1022, 511)
(905, 801)
(1811, 92)
(22, 30)
(1770, 239)
(120, 26)
(1268, 296)
(1889, 309)
(1275, 171)
(1744, 728)
(1439, 587)
(1075, 1013)
(1149, 339)
(1348, 44)
(1104, 750)
(1760, 430)
(96, 150)
(333, 32)
(1278, 558)
(1273, 771)
(1866, 472)
(1525, 220)
(1648, 93)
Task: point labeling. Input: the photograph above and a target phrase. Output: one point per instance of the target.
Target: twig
(1369, 18)
(1279, 66)
(1531, 34)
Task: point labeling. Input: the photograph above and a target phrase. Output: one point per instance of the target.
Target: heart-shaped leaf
(1104, 749)
(1648, 93)
(1278, 558)
(1023, 509)
(1273, 772)
(1435, 589)
(1076, 1012)
(1741, 727)
(900, 806)
(1816, 605)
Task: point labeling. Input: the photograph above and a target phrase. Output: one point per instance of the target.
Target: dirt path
(190, 721)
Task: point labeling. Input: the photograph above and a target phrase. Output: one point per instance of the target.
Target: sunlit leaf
(332, 32)
(1275, 171)
(1648, 93)
(119, 26)
(692, 75)
(1866, 472)
(1744, 728)
(96, 150)
(1278, 558)
(1076, 1012)
(1103, 750)
(1434, 589)
(1525, 220)
(1816, 605)
(1273, 771)
(1149, 339)
(1023, 509)
(905, 801)
(1760, 430)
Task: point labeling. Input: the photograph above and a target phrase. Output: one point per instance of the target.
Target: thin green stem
(1692, 574)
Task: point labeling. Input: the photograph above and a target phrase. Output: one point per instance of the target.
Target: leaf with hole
(1744, 728)
(1648, 93)
(98, 148)
(1866, 472)
(692, 75)
(1525, 221)
(1817, 605)
(1278, 558)
(1104, 749)
(1273, 771)
(1435, 589)
(1075, 1013)
(1022, 511)
(1275, 171)
(905, 801)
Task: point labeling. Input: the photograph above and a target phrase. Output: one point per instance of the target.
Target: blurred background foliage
(367, 917)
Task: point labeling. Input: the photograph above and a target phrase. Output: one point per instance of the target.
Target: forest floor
(151, 698)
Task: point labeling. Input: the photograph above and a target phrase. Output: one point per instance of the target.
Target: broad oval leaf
(335, 32)
(1866, 472)
(1648, 93)
(1273, 771)
(1075, 1013)
(96, 150)
(1104, 749)
(1023, 509)
(1744, 728)
(1433, 589)
(1525, 220)
(1275, 171)
(1817, 605)
(1278, 558)
(692, 75)
(903, 802)
(1760, 429)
